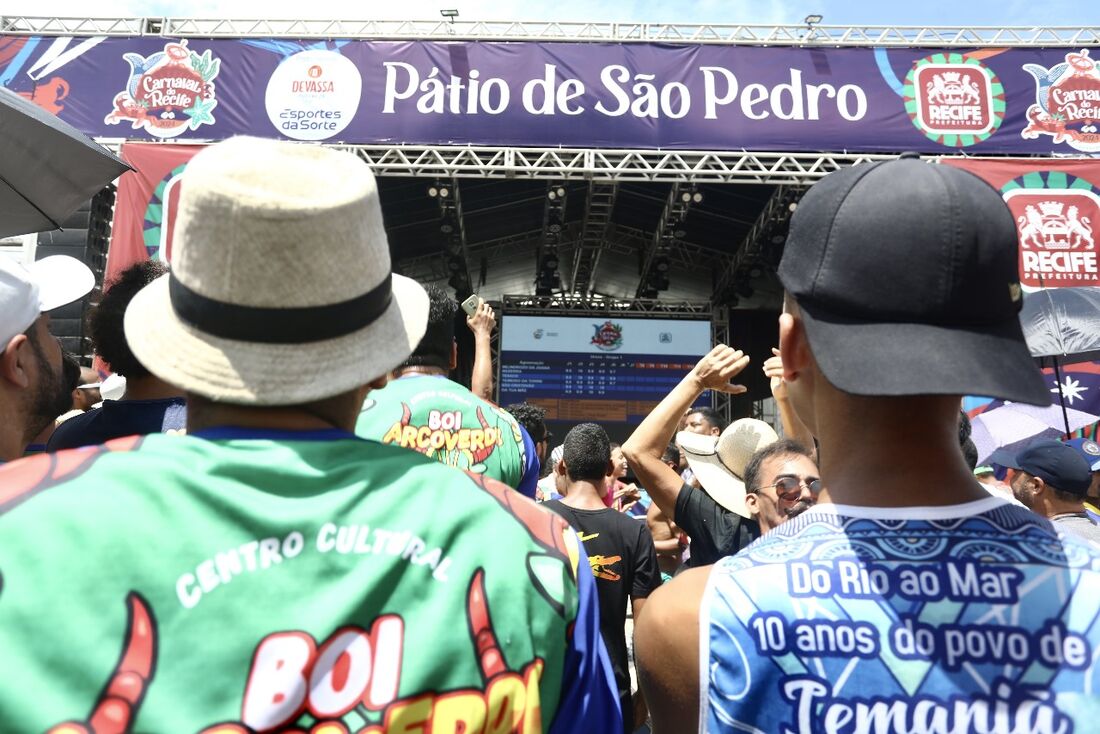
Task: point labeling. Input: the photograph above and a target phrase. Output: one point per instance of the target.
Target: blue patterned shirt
(980, 617)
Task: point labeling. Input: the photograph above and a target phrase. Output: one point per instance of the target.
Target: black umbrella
(1062, 323)
(48, 168)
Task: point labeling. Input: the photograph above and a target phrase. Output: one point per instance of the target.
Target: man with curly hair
(532, 419)
(150, 405)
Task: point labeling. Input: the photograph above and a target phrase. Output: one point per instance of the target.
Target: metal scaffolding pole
(599, 205)
(959, 36)
(751, 247)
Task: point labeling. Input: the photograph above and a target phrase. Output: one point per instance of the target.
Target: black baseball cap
(1054, 462)
(905, 273)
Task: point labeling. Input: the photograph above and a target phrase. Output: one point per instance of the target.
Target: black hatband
(292, 325)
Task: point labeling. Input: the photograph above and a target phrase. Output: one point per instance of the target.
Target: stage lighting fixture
(555, 193)
(446, 227)
(813, 19)
(450, 14)
(778, 239)
(550, 262)
(649, 292)
(697, 197)
(756, 271)
(547, 283)
(685, 196)
(454, 264)
(461, 284)
(792, 207)
(433, 191)
(661, 265)
(679, 233)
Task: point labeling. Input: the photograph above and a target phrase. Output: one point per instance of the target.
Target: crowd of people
(280, 513)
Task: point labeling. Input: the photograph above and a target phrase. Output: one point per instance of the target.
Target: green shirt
(265, 580)
(446, 422)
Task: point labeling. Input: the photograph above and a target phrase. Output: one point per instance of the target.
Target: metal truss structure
(431, 268)
(750, 251)
(766, 410)
(619, 241)
(665, 237)
(577, 32)
(485, 161)
(591, 164)
(569, 304)
(720, 334)
(457, 259)
(599, 204)
(548, 268)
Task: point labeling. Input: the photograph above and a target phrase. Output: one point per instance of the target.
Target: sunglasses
(790, 488)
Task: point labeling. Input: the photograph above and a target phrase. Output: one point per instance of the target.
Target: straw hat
(720, 462)
(280, 291)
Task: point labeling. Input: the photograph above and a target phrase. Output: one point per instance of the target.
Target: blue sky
(836, 12)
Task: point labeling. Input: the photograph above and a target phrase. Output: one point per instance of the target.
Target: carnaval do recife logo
(169, 92)
(608, 336)
(1067, 102)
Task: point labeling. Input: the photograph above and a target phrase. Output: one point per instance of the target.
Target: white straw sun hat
(280, 291)
(720, 462)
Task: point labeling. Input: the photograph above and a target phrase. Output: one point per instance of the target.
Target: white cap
(45, 285)
(113, 387)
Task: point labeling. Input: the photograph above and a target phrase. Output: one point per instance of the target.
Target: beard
(1021, 492)
(53, 395)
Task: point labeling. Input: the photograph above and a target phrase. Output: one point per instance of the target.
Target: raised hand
(483, 320)
(773, 368)
(716, 369)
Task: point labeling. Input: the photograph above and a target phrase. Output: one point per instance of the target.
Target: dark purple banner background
(1030, 101)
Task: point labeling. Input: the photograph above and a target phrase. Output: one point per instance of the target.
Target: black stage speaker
(84, 235)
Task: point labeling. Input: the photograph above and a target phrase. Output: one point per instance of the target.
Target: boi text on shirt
(446, 422)
(247, 581)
